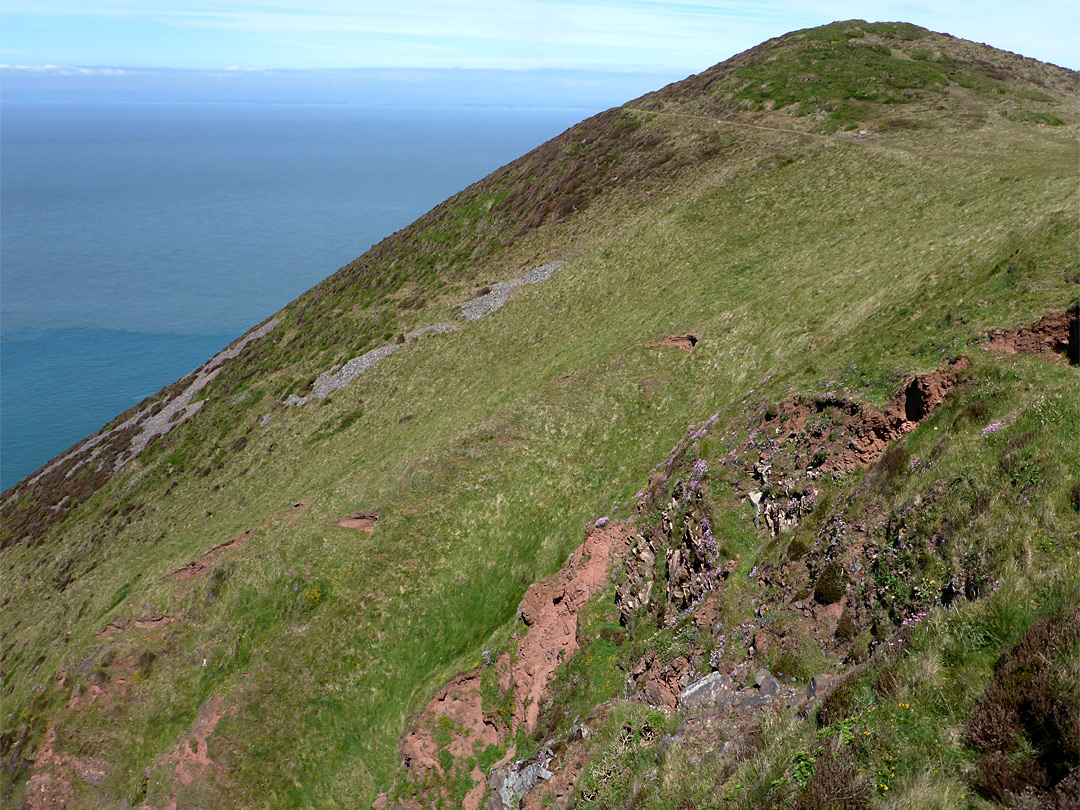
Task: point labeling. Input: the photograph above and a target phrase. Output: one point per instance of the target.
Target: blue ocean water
(136, 240)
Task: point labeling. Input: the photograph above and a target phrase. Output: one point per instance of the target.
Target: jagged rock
(708, 692)
(770, 685)
(517, 779)
(763, 472)
(783, 515)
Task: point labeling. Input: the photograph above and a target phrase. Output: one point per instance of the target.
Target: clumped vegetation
(1026, 726)
(826, 241)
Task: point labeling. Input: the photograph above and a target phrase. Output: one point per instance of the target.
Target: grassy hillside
(830, 214)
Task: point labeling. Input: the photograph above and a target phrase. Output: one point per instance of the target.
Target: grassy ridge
(802, 260)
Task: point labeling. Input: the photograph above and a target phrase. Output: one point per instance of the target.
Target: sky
(631, 36)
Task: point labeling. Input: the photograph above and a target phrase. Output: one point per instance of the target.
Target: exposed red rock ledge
(550, 609)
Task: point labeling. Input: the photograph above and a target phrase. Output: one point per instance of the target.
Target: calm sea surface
(137, 240)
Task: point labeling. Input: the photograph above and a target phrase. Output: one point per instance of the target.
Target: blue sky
(643, 36)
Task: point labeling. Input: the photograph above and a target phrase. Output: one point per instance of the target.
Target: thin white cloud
(690, 34)
(68, 70)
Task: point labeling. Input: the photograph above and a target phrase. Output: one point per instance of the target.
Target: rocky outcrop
(805, 438)
(513, 781)
(683, 538)
(455, 720)
(550, 609)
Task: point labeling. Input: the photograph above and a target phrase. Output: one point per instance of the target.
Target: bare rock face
(707, 693)
(550, 609)
(513, 781)
(831, 434)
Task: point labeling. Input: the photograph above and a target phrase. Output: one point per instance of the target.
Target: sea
(138, 239)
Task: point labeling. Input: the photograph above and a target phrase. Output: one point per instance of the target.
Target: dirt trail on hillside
(147, 623)
(200, 564)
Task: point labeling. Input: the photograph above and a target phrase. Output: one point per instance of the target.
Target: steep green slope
(846, 206)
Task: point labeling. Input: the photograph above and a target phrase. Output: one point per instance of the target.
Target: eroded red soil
(190, 757)
(199, 565)
(685, 342)
(363, 521)
(856, 434)
(51, 787)
(1056, 333)
(550, 609)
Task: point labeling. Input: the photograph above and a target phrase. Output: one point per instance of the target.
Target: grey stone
(486, 304)
(755, 702)
(770, 686)
(709, 691)
(666, 743)
(326, 383)
(542, 273)
(517, 779)
(500, 292)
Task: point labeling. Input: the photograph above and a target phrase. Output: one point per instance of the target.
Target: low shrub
(835, 784)
(1027, 724)
(831, 584)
